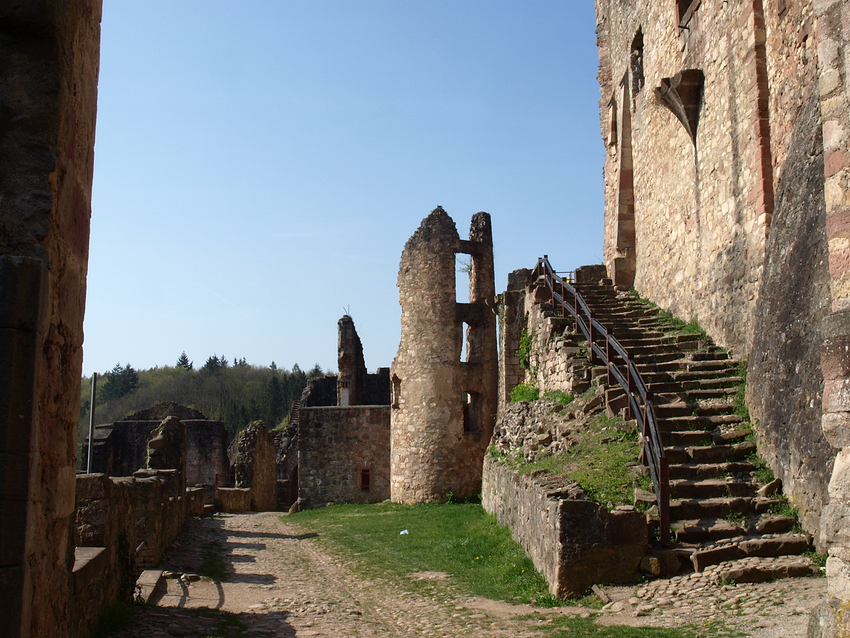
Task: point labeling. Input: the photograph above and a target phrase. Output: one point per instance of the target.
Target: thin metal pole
(91, 421)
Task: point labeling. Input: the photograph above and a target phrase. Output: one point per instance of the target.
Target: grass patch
(559, 397)
(763, 474)
(213, 565)
(819, 560)
(741, 408)
(524, 392)
(783, 508)
(575, 627)
(598, 462)
(463, 541)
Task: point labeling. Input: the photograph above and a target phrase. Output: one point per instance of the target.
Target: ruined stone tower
(443, 409)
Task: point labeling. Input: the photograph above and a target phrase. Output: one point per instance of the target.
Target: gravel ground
(281, 583)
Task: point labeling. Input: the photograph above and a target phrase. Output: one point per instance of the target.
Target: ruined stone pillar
(48, 98)
(832, 618)
(443, 408)
(351, 380)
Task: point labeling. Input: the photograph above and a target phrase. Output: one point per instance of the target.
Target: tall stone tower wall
(48, 99)
(443, 409)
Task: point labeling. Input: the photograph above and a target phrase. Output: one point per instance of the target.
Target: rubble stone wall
(336, 445)
(785, 383)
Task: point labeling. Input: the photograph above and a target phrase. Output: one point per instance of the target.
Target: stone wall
(558, 356)
(255, 466)
(344, 455)
(784, 378)
(48, 100)
(572, 541)
(120, 448)
(512, 321)
(690, 168)
(115, 517)
(443, 409)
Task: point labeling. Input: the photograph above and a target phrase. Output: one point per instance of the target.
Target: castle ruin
(443, 408)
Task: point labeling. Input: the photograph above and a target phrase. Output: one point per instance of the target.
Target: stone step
(671, 424)
(710, 453)
(760, 570)
(717, 507)
(706, 529)
(720, 507)
(760, 546)
(685, 438)
(680, 408)
(709, 488)
(710, 470)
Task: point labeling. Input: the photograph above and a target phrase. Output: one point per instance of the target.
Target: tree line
(234, 392)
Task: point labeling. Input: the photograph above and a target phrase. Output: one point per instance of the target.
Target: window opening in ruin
(396, 392)
(612, 123)
(636, 63)
(366, 480)
(685, 11)
(471, 422)
(463, 268)
(464, 345)
(343, 393)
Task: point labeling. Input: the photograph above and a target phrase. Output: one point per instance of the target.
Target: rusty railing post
(664, 498)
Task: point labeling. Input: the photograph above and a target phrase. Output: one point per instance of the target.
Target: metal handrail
(640, 404)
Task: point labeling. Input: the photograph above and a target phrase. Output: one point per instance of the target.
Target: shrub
(524, 392)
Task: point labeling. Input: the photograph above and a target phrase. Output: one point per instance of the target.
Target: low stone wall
(233, 499)
(572, 541)
(115, 517)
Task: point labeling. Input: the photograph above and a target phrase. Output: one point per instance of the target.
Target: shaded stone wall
(336, 445)
(443, 409)
(255, 466)
(511, 323)
(48, 99)
(784, 377)
(572, 541)
(115, 516)
(120, 448)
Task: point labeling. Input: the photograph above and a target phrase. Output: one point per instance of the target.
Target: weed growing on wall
(524, 392)
(526, 342)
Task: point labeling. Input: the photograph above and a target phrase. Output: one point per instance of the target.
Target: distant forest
(233, 392)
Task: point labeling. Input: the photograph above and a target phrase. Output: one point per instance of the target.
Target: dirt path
(281, 583)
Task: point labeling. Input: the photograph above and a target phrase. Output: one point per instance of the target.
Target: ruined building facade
(340, 452)
(726, 201)
(443, 408)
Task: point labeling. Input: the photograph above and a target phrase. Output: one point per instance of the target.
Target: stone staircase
(723, 519)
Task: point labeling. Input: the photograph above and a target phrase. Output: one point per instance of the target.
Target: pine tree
(183, 361)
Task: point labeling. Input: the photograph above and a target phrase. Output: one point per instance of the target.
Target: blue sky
(259, 165)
